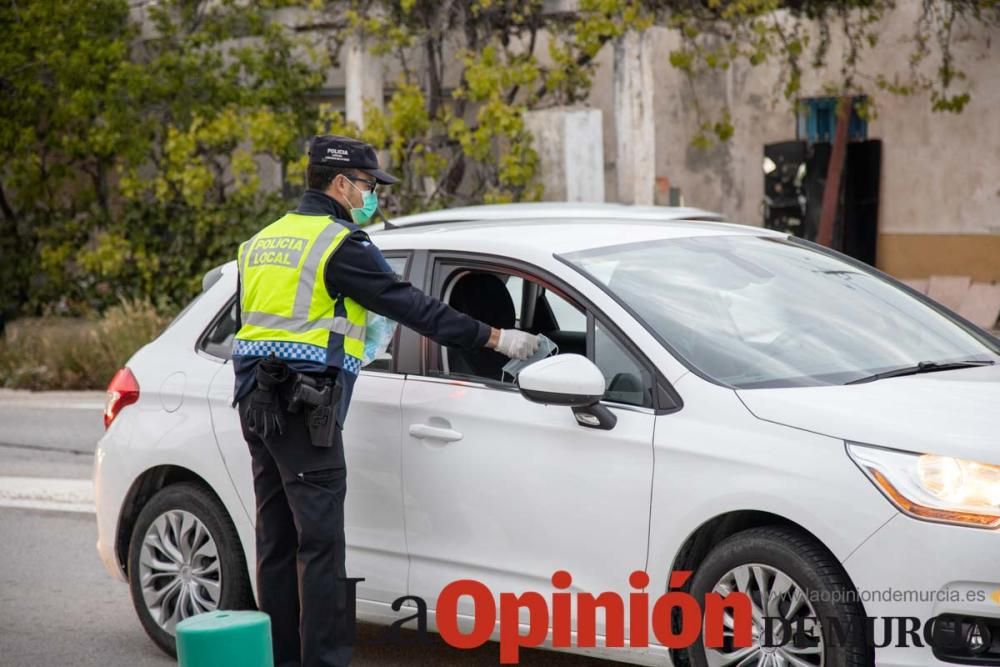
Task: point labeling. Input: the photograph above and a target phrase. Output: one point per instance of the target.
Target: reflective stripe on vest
(339, 325)
(283, 296)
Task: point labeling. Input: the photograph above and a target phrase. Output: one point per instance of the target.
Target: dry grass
(68, 353)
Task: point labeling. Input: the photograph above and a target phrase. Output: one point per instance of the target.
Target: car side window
(567, 317)
(218, 339)
(490, 297)
(514, 286)
(504, 300)
(625, 379)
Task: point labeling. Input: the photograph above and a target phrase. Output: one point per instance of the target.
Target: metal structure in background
(796, 174)
(834, 171)
(784, 197)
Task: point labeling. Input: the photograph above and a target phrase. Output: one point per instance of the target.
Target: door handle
(425, 431)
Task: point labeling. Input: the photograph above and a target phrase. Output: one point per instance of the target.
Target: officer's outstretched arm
(357, 269)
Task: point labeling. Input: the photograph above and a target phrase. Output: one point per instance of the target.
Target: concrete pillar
(570, 148)
(635, 164)
(363, 80)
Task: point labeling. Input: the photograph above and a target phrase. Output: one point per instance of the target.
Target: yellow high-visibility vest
(285, 307)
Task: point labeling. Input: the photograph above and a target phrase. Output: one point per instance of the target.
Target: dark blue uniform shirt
(357, 269)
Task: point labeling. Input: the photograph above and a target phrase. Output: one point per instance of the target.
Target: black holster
(319, 399)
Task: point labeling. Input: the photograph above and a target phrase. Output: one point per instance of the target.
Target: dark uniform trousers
(300, 491)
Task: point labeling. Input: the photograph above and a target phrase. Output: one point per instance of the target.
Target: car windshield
(750, 311)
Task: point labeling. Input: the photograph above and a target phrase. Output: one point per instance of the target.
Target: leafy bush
(134, 141)
(76, 353)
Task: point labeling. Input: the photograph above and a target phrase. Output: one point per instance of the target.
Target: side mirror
(565, 379)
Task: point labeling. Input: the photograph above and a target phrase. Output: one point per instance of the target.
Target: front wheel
(184, 559)
(787, 574)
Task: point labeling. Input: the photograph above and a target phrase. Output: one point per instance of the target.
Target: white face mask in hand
(545, 348)
(379, 331)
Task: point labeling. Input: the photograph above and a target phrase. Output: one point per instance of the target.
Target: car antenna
(385, 222)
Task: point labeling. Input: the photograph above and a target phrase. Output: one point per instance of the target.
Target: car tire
(184, 524)
(762, 555)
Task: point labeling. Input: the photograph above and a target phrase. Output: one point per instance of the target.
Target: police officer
(306, 283)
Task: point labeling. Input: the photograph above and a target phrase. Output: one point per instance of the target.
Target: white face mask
(545, 348)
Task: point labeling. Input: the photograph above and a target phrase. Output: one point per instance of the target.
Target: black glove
(265, 417)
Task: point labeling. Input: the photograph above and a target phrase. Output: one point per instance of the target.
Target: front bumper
(912, 568)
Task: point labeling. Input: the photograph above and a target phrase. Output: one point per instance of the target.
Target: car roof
(556, 210)
(521, 230)
(536, 231)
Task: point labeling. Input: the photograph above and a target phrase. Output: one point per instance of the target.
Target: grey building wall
(940, 190)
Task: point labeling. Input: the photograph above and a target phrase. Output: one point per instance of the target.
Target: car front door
(373, 512)
(506, 491)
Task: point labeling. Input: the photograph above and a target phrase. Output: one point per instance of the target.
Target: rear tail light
(123, 390)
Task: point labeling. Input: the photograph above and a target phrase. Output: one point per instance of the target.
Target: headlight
(932, 487)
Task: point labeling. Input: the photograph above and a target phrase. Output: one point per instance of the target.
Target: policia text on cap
(306, 284)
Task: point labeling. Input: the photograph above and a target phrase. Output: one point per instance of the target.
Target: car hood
(951, 413)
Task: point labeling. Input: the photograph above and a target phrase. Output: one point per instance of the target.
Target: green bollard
(225, 638)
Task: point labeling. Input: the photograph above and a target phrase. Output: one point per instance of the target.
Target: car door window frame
(441, 265)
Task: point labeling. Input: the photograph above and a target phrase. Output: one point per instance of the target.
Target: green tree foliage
(453, 125)
(131, 153)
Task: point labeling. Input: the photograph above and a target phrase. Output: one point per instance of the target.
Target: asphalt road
(57, 604)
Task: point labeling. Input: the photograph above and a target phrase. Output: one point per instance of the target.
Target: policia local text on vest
(306, 283)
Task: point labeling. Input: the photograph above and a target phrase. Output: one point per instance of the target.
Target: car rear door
(506, 491)
(376, 547)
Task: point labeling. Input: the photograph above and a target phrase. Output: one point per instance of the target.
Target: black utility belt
(317, 397)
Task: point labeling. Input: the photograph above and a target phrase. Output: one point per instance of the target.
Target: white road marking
(53, 400)
(47, 493)
(52, 405)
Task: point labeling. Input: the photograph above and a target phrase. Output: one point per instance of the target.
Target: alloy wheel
(772, 594)
(179, 569)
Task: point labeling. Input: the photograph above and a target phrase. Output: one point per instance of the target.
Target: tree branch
(7, 209)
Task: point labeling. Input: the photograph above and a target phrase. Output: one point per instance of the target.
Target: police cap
(330, 150)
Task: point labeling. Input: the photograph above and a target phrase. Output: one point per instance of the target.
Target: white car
(777, 418)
